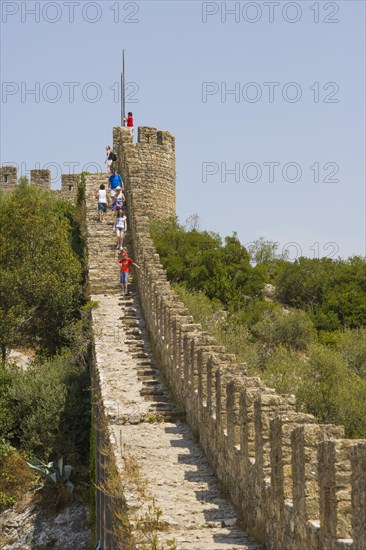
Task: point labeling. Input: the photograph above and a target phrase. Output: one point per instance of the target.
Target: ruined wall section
(41, 179)
(8, 177)
(69, 186)
(297, 485)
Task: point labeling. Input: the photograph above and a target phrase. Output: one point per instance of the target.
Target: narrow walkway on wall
(163, 469)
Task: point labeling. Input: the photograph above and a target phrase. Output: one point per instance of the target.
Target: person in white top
(101, 195)
(120, 227)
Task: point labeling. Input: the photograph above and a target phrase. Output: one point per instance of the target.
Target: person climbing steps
(101, 195)
(126, 263)
(120, 228)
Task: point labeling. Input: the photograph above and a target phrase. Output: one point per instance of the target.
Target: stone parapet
(41, 179)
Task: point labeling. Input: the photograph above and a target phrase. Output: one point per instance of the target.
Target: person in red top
(126, 263)
(129, 121)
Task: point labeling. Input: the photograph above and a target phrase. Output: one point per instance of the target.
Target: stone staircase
(103, 255)
(150, 438)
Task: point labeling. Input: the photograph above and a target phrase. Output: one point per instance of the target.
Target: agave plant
(54, 473)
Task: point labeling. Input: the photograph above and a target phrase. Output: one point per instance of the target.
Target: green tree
(333, 292)
(40, 274)
(201, 261)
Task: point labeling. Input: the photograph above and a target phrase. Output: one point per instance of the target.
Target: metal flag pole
(123, 99)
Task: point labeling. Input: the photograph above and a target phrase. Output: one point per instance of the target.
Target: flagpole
(123, 99)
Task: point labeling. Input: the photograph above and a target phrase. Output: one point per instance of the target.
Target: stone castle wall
(296, 485)
(42, 180)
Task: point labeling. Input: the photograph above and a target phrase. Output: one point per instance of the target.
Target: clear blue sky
(184, 57)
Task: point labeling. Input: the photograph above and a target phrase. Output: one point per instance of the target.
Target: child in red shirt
(129, 121)
(126, 263)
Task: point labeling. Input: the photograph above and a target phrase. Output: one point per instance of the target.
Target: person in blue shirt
(115, 181)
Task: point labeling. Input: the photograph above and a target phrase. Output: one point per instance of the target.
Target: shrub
(15, 476)
(204, 311)
(256, 310)
(326, 373)
(329, 382)
(329, 338)
(351, 406)
(226, 328)
(332, 394)
(352, 347)
(50, 410)
(8, 418)
(236, 337)
(294, 330)
(285, 371)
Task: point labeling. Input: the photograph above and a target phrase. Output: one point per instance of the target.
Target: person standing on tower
(129, 121)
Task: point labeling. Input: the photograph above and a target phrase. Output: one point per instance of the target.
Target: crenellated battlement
(42, 180)
(69, 186)
(152, 136)
(8, 177)
(296, 484)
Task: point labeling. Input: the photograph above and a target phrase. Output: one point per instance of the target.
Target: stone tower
(148, 169)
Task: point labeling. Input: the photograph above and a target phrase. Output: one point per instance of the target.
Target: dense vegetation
(45, 408)
(310, 340)
(40, 277)
(332, 292)
(222, 272)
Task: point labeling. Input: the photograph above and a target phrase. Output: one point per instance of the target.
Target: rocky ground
(22, 357)
(27, 529)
